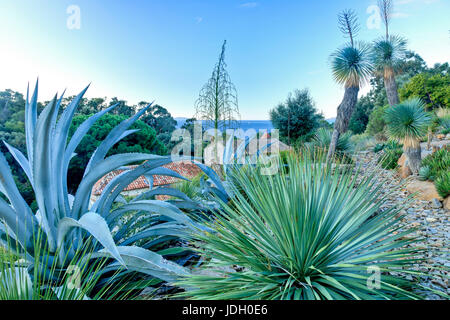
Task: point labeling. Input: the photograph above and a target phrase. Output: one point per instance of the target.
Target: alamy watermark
(247, 147)
(74, 19)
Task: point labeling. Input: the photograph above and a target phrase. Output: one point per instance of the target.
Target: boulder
(402, 160)
(405, 172)
(425, 190)
(447, 203)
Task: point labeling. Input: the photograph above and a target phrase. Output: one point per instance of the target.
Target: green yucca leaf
(408, 120)
(310, 232)
(352, 65)
(389, 53)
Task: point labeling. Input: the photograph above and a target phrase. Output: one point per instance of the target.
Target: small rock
(435, 203)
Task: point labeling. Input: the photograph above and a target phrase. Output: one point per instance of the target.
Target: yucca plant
(66, 222)
(351, 66)
(389, 53)
(408, 122)
(309, 233)
(322, 139)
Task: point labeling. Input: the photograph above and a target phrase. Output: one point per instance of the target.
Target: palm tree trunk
(391, 88)
(344, 113)
(414, 157)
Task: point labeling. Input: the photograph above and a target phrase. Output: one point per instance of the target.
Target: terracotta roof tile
(185, 168)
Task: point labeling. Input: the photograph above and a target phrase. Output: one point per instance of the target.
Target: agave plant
(408, 122)
(351, 67)
(67, 221)
(307, 233)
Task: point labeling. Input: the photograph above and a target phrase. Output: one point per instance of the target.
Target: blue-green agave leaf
(96, 226)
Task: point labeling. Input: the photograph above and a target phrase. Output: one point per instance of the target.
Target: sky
(165, 50)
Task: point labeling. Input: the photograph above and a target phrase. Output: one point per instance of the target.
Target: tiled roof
(186, 168)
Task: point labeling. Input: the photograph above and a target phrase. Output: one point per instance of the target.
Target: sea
(241, 124)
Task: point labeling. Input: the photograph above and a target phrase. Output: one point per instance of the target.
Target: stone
(402, 160)
(435, 203)
(405, 172)
(447, 203)
(425, 190)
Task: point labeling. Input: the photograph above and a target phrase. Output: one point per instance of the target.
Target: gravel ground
(433, 224)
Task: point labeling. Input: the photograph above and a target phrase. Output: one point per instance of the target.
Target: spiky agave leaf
(352, 65)
(67, 222)
(408, 121)
(310, 233)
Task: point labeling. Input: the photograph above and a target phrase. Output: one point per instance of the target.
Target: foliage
(392, 153)
(378, 147)
(158, 118)
(319, 242)
(443, 184)
(377, 123)
(443, 118)
(192, 188)
(68, 222)
(19, 281)
(425, 174)
(297, 117)
(433, 89)
(352, 65)
(143, 140)
(437, 162)
(322, 139)
(389, 54)
(407, 121)
(360, 117)
(217, 102)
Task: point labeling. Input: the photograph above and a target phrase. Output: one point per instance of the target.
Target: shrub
(310, 233)
(437, 162)
(378, 147)
(376, 124)
(425, 173)
(442, 184)
(392, 153)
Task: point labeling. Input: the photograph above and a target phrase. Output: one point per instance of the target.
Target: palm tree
(351, 66)
(408, 122)
(389, 52)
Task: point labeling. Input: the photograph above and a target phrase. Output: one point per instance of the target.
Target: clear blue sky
(165, 50)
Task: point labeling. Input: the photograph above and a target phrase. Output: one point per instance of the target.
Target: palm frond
(389, 54)
(352, 65)
(408, 121)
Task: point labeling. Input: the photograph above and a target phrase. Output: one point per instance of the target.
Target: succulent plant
(425, 173)
(442, 184)
(67, 221)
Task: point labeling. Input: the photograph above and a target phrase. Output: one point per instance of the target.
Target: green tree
(297, 117)
(160, 119)
(142, 141)
(433, 89)
(360, 117)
